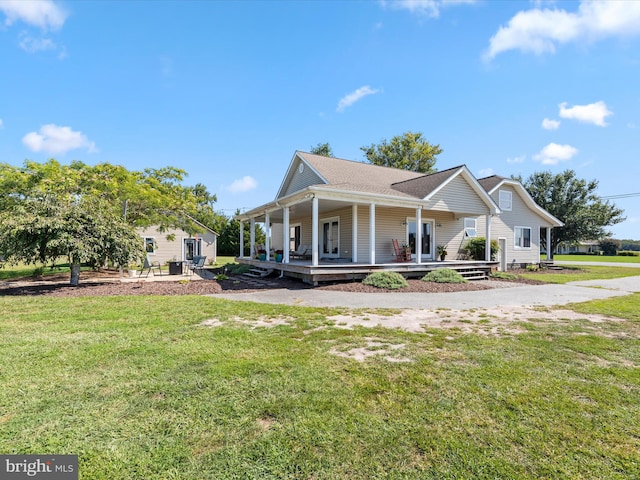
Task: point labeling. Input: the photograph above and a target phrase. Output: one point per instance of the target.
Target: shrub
(504, 275)
(221, 276)
(236, 268)
(444, 275)
(628, 253)
(390, 280)
(533, 268)
(475, 248)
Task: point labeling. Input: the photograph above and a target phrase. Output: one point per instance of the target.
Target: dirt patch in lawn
(499, 321)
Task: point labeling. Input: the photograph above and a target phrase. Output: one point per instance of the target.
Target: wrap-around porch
(348, 239)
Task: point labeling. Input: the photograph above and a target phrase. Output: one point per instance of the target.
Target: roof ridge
(429, 174)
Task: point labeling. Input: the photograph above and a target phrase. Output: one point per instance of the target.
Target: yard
(190, 387)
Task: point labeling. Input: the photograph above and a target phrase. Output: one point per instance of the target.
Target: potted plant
(262, 254)
(442, 252)
(279, 254)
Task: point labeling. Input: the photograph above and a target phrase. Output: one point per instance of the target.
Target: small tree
(408, 151)
(82, 230)
(475, 248)
(609, 246)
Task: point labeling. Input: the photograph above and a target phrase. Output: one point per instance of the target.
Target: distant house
(348, 213)
(176, 244)
(585, 246)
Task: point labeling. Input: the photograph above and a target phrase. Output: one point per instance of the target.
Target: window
(295, 237)
(470, 227)
(504, 200)
(150, 245)
(523, 237)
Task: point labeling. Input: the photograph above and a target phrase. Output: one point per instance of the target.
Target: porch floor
(328, 271)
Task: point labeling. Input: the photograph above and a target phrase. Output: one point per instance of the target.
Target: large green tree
(76, 202)
(409, 151)
(574, 202)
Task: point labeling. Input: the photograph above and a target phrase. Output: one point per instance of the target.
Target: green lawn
(580, 273)
(140, 391)
(595, 258)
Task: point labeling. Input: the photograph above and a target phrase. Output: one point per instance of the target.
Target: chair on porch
(402, 254)
(300, 252)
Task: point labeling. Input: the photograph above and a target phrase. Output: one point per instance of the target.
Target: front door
(427, 238)
(191, 248)
(330, 241)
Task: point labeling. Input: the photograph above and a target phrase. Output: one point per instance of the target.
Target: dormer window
(505, 200)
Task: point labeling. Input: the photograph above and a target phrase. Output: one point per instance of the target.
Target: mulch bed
(107, 283)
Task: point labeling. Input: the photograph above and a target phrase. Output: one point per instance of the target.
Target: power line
(621, 195)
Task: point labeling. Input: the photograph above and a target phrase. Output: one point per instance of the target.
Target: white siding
(503, 226)
(458, 196)
(299, 181)
(166, 250)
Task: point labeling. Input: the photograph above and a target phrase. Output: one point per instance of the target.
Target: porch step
(259, 272)
(473, 274)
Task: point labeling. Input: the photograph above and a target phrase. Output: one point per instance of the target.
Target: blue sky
(229, 90)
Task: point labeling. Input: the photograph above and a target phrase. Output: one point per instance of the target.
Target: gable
(299, 176)
(458, 196)
(523, 206)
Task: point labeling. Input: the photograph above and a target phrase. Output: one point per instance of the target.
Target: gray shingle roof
(363, 177)
(358, 176)
(422, 186)
(489, 183)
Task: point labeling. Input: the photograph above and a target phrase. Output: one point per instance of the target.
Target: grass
(581, 273)
(139, 390)
(595, 258)
(8, 272)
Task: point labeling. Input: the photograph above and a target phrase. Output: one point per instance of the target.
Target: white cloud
(430, 8)
(549, 124)
(519, 159)
(1, 124)
(629, 125)
(554, 153)
(45, 14)
(354, 96)
(32, 45)
(485, 172)
(540, 31)
(54, 139)
(595, 113)
(243, 184)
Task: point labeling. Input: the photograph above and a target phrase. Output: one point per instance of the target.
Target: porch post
(487, 244)
(285, 235)
(252, 236)
(419, 235)
(372, 233)
(267, 234)
(314, 231)
(241, 239)
(549, 250)
(354, 233)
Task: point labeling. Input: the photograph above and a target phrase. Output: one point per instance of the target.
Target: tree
(82, 230)
(609, 246)
(229, 239)
(77, 201)
(574, 202)
(323, 149)
(408, 151)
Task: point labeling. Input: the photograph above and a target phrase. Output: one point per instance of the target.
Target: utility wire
(621, 195)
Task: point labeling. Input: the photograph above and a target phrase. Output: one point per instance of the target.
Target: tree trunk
(75, 274)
